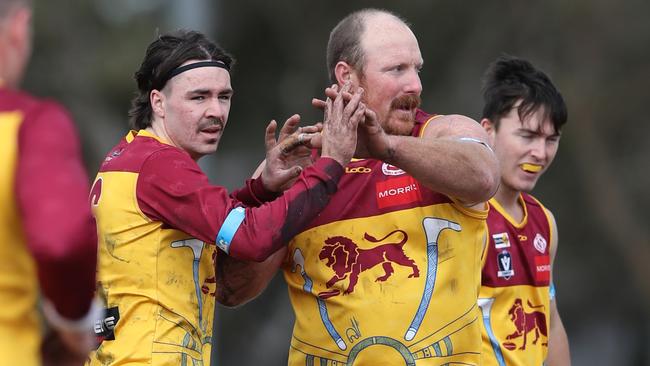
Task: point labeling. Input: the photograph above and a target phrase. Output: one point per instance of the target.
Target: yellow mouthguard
(533, 168)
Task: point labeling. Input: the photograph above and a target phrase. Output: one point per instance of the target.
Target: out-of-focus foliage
(595, 50)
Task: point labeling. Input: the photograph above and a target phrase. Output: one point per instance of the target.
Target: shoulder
(450, 126)
(144, 154)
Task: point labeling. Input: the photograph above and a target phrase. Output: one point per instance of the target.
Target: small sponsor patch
(358, 169)
(397, 191)
(504, 262)
(388, 169)
(542, 268)
(540, 243)
(501, 240)
(105, 328)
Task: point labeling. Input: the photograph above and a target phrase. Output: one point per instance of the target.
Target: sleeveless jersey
(387, 274)
(514, 297)
(158, 282)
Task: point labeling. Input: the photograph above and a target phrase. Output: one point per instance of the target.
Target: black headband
(195, 65)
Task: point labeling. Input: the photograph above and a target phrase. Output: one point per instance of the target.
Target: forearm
(52, 194)
(265, 229)
(465, 170)
(239, 282)
(558, 342)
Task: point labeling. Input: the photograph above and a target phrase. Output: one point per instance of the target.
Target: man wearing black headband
(158, 216)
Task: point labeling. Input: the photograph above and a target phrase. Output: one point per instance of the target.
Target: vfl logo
(358, 169)
(526, 323)
(540, 243)
(504, 262)
(346, 259)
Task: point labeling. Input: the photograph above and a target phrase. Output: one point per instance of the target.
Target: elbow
(485, 182)
(489, 183)
(247, 251)
(67, 245)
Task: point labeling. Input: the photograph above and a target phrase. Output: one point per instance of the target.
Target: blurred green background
(596, 51)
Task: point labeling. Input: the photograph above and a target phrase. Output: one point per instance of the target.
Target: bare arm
(239, 282)
(558, 342)
(447, 159)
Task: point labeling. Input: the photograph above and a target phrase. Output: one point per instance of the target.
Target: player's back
(19, 320)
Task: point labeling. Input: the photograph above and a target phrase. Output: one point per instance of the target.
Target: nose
(538, 149)
(216, 109)
(412, 84)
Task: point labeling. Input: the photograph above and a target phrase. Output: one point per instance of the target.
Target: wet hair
(163, 56)
(345, 40)
(509, 80)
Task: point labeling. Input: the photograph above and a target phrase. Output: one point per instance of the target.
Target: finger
(311, 129)
(296, 140)
(353, 104)
(290, 126)
(358, 115)
(269, 139)
(331, 93)
(317, 103)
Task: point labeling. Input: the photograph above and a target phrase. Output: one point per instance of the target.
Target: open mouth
(531, 168)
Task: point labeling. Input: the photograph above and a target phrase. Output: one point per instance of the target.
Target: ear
(157, 101)
(345, 72)
(490, 128)
(20, 26)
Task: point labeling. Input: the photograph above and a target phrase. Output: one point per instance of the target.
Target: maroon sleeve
(254, 194)
(171, 188)
(52, 194)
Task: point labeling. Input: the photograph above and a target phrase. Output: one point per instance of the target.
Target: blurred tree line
(86, 52)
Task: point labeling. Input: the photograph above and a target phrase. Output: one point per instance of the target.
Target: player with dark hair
(523, 115)
(47, 233)
(158, 216)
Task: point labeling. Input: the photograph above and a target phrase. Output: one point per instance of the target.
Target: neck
(509, 199)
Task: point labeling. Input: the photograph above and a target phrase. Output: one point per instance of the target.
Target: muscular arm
(52, 195)
(558, 342)
(465, 170)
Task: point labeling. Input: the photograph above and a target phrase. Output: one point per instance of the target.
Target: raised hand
(288, 155)
(339, 137)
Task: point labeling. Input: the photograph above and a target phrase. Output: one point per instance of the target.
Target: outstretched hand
(288, 155)
(373, 141)
(339, 137)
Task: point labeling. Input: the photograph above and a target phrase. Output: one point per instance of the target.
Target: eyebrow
(208, 91)
(539, 132)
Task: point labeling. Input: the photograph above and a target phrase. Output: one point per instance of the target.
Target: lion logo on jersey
(347, 260)
(525, 323)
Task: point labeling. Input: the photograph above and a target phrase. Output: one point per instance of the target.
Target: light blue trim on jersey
(551, 291)
(229, 228)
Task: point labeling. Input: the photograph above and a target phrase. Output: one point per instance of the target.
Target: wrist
(83, 324)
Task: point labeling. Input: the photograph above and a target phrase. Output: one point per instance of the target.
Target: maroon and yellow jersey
(47, 235)
(387, 274)
(514, 297)
(158, 218)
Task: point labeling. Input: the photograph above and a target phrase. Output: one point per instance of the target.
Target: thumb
(269, 138)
